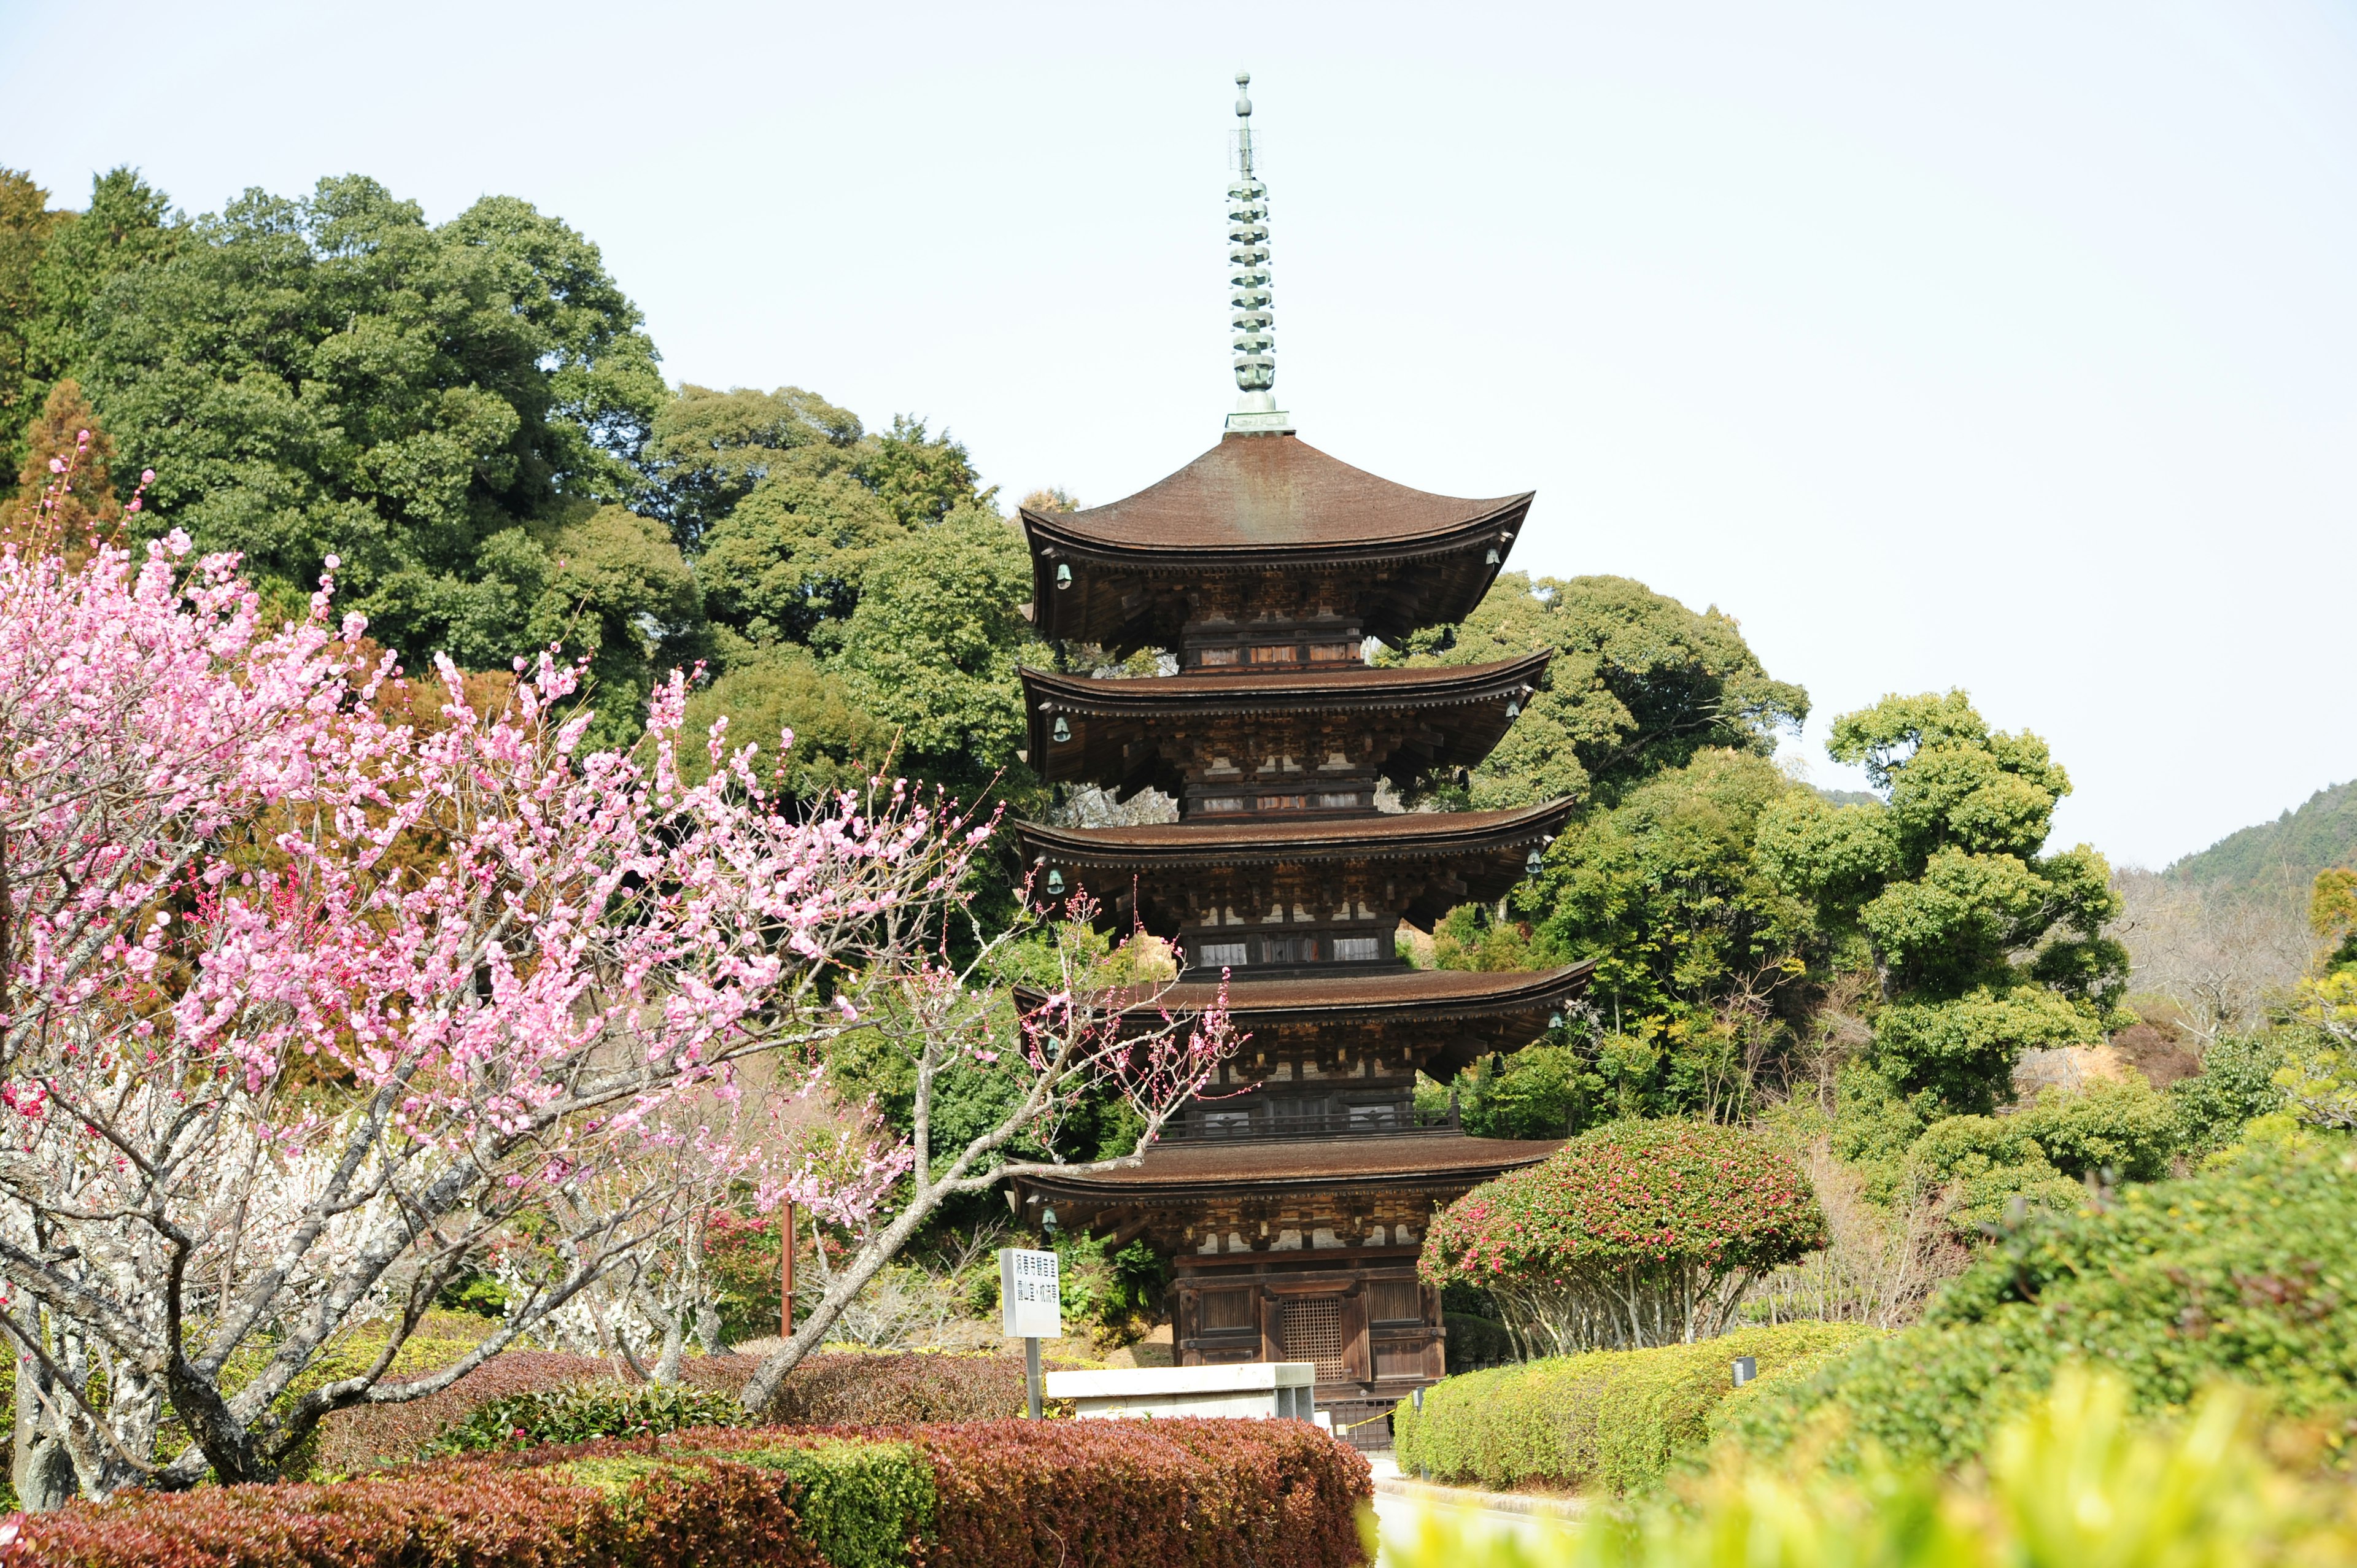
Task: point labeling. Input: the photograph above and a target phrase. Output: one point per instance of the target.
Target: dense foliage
(2246, 1272)
(1009, 1494)
(1946, 883)
(2075, 1481)
(1616, 1419)
(1640, 684)
(582, 1413)
(1637, 1233)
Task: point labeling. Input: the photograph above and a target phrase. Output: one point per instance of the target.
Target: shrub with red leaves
(1637, 1233)
(367, 1437)
(1016, 1494)
(1152, 1494)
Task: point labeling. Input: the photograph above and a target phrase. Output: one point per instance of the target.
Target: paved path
(1400, 1503)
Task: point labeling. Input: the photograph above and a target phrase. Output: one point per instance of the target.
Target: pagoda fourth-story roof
(1257, 503)
(1118, 725)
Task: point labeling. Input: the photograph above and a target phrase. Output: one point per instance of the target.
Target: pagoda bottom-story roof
(1210, 1166)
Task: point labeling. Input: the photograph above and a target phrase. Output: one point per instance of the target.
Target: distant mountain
(2285, 853)
(1848, 797)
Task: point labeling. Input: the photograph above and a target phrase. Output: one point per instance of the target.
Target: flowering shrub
(1010, 1494)
(1614, 1419)
(1637, 1233)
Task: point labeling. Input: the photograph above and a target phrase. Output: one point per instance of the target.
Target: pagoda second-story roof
(1455, 1017)
(1265, 502)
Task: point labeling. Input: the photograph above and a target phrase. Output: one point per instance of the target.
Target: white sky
(2010, 347)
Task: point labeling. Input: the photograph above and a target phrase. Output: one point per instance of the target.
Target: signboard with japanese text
(1030, 1297)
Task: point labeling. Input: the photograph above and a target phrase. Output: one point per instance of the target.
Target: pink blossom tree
(303, 1010)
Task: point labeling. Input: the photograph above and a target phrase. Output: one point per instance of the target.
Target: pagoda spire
(1255, 341)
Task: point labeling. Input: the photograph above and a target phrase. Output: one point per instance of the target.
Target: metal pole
(785, 1296)
(1031, 1372)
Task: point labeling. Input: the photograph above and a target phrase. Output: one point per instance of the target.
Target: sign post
(1030, 1308)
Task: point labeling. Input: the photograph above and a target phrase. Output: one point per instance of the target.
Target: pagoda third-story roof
(1262, 502)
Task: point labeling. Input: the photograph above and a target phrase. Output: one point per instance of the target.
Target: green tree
(932, 647)
(708, 450)
(1984, 945)
(786, 563)
(25, 225)
(445, 409)
(922, 478)
(837, 744)
(1639, 685)
(128, 224)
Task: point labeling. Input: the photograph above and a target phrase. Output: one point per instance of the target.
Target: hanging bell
(1555, 1020)
(1055, 884)
(1534, 865)
(1064, 572)
(1514, 708)
(1490, 559)
(1062, 732)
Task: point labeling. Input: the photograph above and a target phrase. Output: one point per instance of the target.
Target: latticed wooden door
(1311, 1329)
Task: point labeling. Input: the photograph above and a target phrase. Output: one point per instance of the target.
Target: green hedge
(2247, 1272)
(1016, 1494)
(1615, 1419)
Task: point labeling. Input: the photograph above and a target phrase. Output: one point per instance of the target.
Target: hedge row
(835, 1388)
(1613, 1419)
(2246, 1274)
(1278, 1494)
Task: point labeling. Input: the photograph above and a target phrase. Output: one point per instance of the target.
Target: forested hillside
(2285, 853)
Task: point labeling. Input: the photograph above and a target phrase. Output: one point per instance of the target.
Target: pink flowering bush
(1637, 1233)
(304, 1008)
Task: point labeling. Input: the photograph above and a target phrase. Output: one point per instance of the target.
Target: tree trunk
(40, 1468)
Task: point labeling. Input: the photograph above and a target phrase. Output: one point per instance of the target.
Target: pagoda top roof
(1272, 493)
(1260, 503)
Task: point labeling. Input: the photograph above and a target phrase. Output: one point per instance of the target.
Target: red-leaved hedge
(1222, 1494)
(369, 1436)
(840, 1388)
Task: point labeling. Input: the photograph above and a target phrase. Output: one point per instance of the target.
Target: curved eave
(1115, 741)
(1110, 598)
(1414, 835)
(1170, 1174)
(1472, 1014)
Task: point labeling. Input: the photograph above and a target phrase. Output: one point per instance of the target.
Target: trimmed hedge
(832, 1389)
(2247, 1274)
(1612, 1419)
(866, 1390)
(1223, 1494)
(369, 1437)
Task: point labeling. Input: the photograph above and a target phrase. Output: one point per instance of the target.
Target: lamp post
(786, 1275)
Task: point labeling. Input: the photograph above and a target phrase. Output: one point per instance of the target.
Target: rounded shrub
(1613, 1419)
(1636, 1233)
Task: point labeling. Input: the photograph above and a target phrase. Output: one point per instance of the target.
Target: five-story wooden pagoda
(1293, 1195)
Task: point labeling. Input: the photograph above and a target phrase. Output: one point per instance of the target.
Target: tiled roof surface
(1440, 992)
(1200, 1161)
(1273, 491)
(1348, 686)
(1391, 833)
